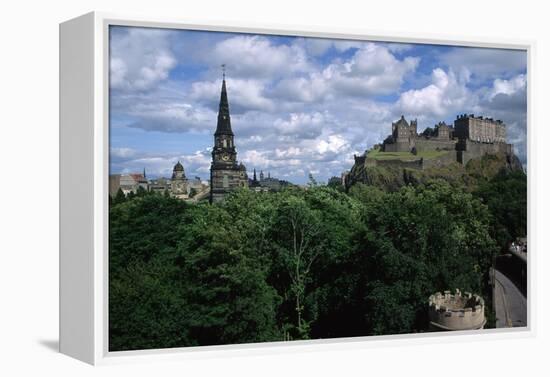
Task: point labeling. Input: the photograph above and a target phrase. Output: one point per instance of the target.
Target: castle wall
(443, 160)
(414, 164)
(399, 146)
(432, 144)
(448, 313)
(421, 144)
(468, 149)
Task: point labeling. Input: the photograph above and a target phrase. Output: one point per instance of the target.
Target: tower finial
(223, 71)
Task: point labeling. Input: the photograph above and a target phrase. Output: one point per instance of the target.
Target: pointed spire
(254, 179)
(224, 119)
(144, 175)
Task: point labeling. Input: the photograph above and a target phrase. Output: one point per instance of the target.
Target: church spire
(224, 120)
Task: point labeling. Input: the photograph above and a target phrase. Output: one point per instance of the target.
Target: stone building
(405, 138)
(196, 184)
(256, 185)
(226, 174)
(160, 185)
(467, 130)
(273, 184)
(471, 137)
(178, 184)
(127, 183)
(265, 184)
(450, 312)
(479, 129)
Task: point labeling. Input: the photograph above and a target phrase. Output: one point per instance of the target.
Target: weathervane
(223, 71)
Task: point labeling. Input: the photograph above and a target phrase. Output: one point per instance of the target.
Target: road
(510, 304)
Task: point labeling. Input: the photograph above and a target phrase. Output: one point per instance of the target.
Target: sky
(298, 105)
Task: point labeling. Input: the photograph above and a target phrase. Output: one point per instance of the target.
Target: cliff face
(391, 178)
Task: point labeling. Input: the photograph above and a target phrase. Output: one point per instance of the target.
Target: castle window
(225, 143)
(225, 181)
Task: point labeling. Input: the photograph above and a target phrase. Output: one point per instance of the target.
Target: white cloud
(302, 125)
(172, 117)
(243, 94)
(508, 87)
(506, 99)
(302, 89)
(485, 63)
(122, 153)
(373, 70)
(140, 58)
(445, 95)
(334, 144)
(257, 56)
(197, 163)
(254, 158)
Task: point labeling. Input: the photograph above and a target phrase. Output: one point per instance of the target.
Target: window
(225, 143)
(225, 181)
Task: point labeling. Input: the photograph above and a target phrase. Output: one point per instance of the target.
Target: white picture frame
(84, 150)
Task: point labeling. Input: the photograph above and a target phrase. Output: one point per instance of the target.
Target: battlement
(449, 312)
(471, 116)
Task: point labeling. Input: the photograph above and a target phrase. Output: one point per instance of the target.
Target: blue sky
(298, 105)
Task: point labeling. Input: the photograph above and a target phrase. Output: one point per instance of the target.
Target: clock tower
(226, 174)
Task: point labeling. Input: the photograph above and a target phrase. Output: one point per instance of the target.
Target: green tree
(294, 264)
(141, 191)
(309, 232)
(336, 184)
(146, 305)
(229, 299)
(506, 197)
(419, 241)
(119, 197)
(144, 228)
(147, 308)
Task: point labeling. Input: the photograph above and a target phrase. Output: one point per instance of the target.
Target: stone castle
(467, 130)
(471, 137)
(450, 312)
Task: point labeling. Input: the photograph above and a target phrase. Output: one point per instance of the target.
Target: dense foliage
(299, 263)
(506, 196)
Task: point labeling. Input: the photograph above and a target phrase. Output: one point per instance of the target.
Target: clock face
(225, 157)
